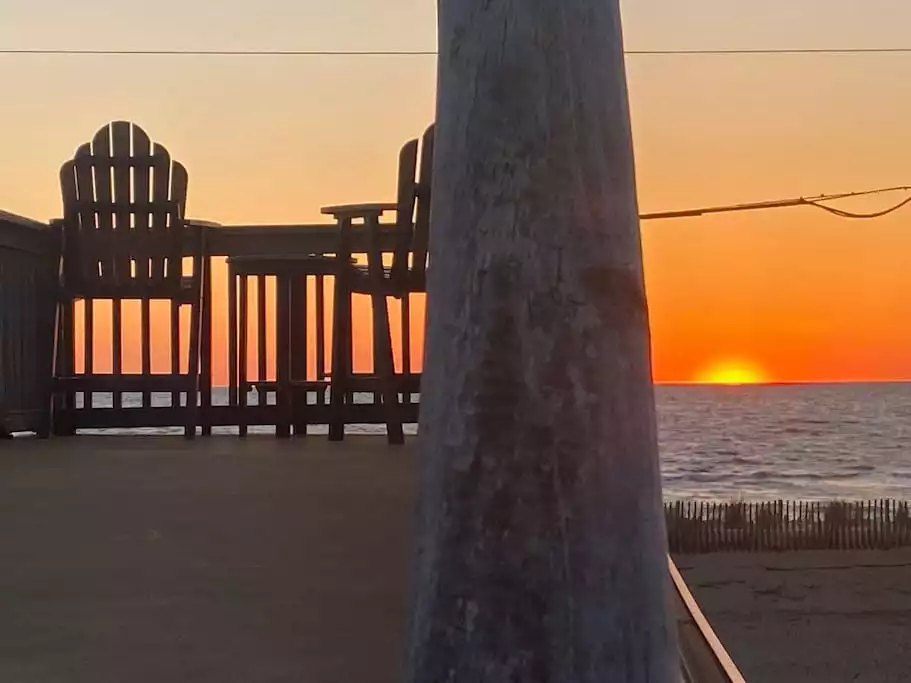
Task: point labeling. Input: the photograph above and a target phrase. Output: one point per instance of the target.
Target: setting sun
(731, 372)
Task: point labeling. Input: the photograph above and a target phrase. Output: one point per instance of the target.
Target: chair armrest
(350, 211)
(370, 213)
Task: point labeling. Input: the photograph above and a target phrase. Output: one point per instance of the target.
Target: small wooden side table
(291, 385)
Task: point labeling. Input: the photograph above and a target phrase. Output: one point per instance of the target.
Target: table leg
(243, 387)
(232, 337)
(283, 399)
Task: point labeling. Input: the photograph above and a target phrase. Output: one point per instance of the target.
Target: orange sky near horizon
(797, 294)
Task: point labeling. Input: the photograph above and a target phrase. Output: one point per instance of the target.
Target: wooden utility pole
(541, 542)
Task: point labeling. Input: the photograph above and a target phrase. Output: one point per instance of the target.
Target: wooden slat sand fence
(703, 527)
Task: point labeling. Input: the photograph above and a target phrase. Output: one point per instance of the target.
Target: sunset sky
(789, 295)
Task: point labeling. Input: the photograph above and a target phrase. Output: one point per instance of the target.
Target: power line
(815, 202)
(222, 53)
(776, 51)
(431, 53)
(864, 216)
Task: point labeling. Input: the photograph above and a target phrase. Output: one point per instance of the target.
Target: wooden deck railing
(26, 321)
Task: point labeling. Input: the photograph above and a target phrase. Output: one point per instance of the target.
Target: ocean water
(820, 441)
(810, 442)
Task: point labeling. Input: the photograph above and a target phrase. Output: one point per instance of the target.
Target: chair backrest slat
(124, 203)
(176, 228)
(161, 188)
(404, 231)
(413, 210)
(422, 217)
(121, 160)
(98, 165)
(85, 214)
(142, 175)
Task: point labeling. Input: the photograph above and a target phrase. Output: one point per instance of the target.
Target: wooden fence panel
(26, 323)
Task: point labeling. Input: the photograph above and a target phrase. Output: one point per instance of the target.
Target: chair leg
(206, 351)
(193, 390)
(193, 369)
(341, 328)
(385, 369)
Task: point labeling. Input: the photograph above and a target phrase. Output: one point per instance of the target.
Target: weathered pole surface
(540, 534)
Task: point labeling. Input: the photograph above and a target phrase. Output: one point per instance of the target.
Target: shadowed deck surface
(150, 559)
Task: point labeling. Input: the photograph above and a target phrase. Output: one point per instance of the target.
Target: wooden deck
(149, 559)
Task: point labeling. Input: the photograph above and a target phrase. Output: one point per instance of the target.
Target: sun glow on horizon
(732, 372)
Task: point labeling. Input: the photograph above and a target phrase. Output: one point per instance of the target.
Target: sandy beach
(821, 616)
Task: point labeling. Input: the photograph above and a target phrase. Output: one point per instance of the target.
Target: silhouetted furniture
(125, 237)
(406, 274)
(291, 385)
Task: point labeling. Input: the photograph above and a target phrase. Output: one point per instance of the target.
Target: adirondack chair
(405, 275)
(124, 237)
